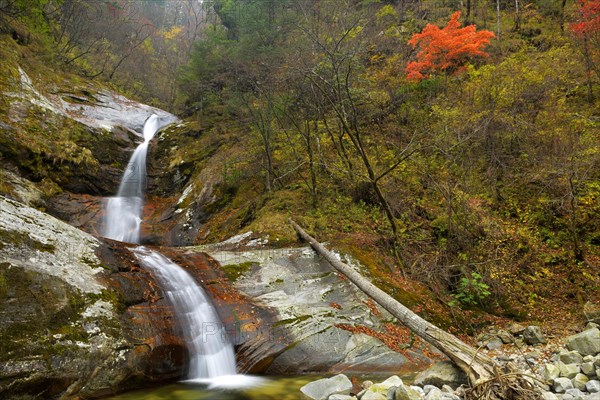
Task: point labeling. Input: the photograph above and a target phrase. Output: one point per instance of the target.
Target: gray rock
(389, 382)
(450, 396)
(591, 325)
(366, 384)
(505, 336)
(586, 342)
(576, 394)
(592, 312)
(598, 373)
(447, 389)
(533, 335)
(369, 395)
(593, 386)
(568, 370)
(561, 385)
(442, 373)
(570, 357)
(494, 343)
(428, 388)
(516, 329)
(549, 396)
(588, 369)
(579, 381)
(406, 393)
(418, 389)
(434, 394)
(550, 372)
(323, 388)
(341, 397)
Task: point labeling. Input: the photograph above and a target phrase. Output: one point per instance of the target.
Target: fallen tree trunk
(477, 366)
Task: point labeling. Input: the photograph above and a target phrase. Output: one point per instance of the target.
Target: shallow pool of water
(265, 388)
(248, 388)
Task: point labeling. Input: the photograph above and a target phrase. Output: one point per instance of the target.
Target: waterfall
(211, 353)
(124, 212)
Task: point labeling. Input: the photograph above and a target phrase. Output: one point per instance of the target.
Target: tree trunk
(517, 16)
(498, 18)
(477, 366)
(562, 15)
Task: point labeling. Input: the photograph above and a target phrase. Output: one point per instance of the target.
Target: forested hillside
(451, 146)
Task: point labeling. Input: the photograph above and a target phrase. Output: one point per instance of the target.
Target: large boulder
(323, 388)
(442, 373)
(585, 343)
(65, 329)
(328, 321)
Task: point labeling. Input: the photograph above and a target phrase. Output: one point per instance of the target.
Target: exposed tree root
(505, 386)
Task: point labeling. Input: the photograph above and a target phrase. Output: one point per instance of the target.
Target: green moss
(3, 284)
(21, 239)
(234, 271)
(291, 321)
(111, 297)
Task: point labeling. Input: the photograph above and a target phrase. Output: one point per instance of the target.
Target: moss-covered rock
(67, 327)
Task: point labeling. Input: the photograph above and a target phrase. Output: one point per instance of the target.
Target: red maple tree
(588, 21)
(446, 50)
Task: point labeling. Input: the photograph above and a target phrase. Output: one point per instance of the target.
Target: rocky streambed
(571, 371)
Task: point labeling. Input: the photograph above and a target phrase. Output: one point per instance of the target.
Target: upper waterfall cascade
(124, 212)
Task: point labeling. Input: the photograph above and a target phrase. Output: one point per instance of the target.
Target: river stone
(494, 343)
(516, 329)
(568, 370)
(323, 388)
(575, 394)
(406, 393)
(570, 357)
(388, 383)
(533, 335)
(588, 369)
(550, 371)
(593, 386)
(579, 381)
(591, 325)
(441, 373)
(561, 385)
(592, 312)
(505, 336)
(369, 395)
(549, 396)
(586, 342)
(434, 394)
(341, 397)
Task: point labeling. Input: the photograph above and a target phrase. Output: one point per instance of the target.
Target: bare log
(477, 366)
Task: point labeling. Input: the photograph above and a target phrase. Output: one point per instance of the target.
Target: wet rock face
(313, 305)
(248, 324)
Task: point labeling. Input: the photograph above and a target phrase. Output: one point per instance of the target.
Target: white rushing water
(212, 359)
(124, 212)
(211, 351)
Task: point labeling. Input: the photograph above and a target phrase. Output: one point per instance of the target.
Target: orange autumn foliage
(588, 21)
(446, 50)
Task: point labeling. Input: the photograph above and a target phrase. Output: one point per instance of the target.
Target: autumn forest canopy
(454, 144)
